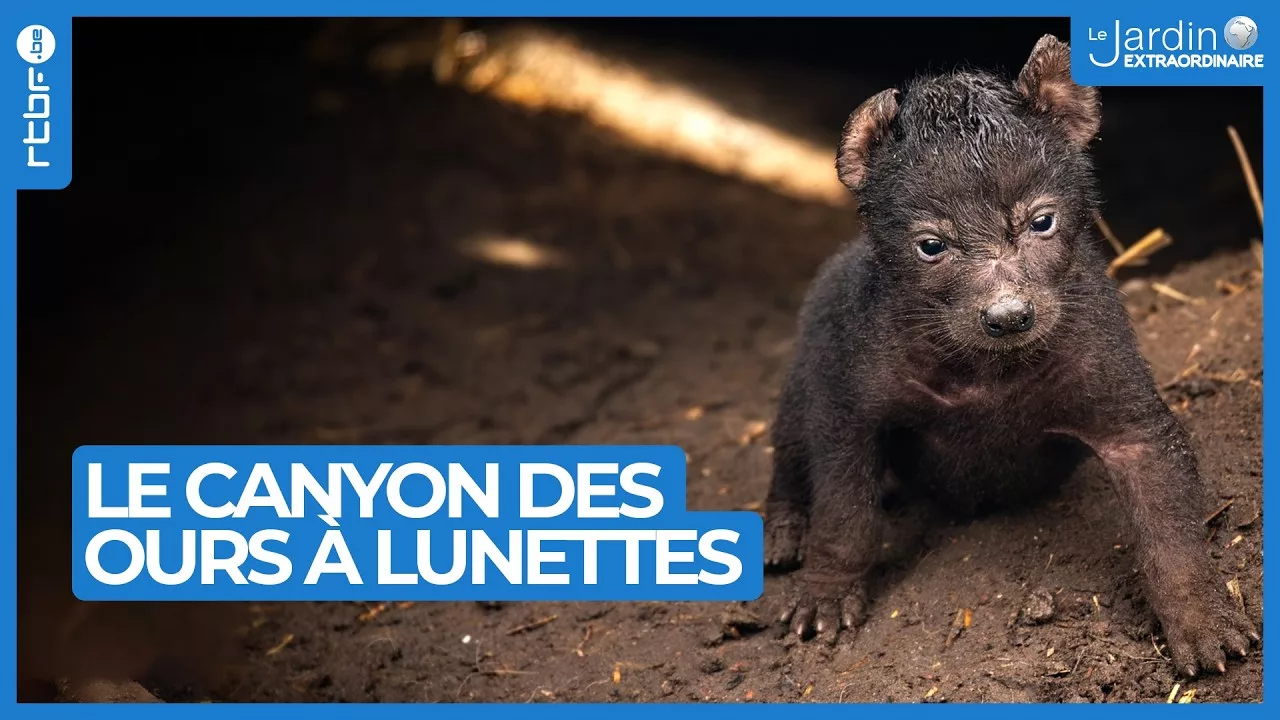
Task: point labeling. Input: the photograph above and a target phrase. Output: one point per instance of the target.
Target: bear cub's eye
(931, 249)
(1043, 223)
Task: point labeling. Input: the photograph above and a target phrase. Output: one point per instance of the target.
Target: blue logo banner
(1171, 46)
(40, 112)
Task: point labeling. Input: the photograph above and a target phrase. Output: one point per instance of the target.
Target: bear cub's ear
(1046, 82)
(865, 128)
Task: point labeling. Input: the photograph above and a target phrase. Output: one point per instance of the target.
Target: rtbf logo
(36, 46)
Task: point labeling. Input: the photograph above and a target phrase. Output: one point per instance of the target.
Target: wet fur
(894, 390)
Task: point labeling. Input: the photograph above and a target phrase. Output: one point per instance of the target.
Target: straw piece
(1151, 242)
(1247, 168)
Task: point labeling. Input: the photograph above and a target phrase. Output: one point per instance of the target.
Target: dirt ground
(668, 317)
(1052, 596)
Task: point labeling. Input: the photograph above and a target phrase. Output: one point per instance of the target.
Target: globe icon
(1241, 32)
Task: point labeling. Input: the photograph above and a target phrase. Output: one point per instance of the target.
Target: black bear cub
(971, 348)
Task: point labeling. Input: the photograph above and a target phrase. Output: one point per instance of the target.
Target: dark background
(220, 96)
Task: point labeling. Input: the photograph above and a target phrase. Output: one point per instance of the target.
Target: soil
(1050, 595)
(669, 318)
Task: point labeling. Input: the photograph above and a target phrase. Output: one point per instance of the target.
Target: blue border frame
(55, 12)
